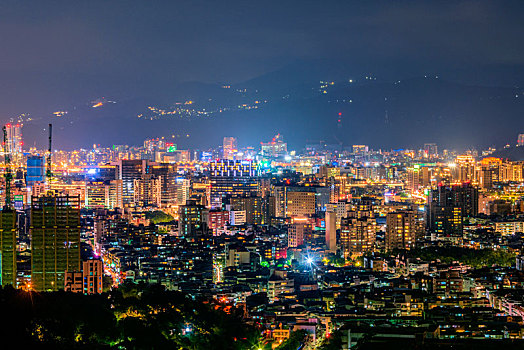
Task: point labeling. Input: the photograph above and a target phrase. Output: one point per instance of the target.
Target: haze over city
(65, 56)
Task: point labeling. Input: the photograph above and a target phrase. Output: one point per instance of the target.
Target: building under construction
(55, 240)
(7, 220)
(8, 247)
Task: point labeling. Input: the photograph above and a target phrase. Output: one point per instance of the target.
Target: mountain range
(296, 102)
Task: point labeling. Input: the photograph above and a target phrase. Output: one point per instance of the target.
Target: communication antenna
(49, 173)
(7, 173)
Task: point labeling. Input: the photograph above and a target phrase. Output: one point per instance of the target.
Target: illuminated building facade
(8, 247)
(192, 219)
(360, 150)
(229, 147)
(254, 206)
(128, 171)
(55, 240)
(275, 148)
(232, 179)
(402, 230)
(298, 232)
(35, 170)
(14, 139)
(217, 220)
(430, 150)
(448, 205)
(357, 235)
(87, 281)
(147, 191)
(331, 231)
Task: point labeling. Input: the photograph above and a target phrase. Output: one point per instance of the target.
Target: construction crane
(7, 173)
(49, 173)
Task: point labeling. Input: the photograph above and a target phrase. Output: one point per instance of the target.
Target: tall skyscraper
(520, 140)
(8, 247)
(229, 147)
(55, 240)
(14, 139)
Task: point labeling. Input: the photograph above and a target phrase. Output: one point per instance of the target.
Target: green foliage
(337, 260)
(158, 216)
(475, 257)
(293, 342)
(134, 317)
(333, 342)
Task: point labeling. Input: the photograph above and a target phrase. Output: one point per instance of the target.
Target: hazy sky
(57, 54)
(236, 40)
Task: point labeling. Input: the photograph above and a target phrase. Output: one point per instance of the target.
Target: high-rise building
(254, 207)
(237, 217)
(449, 205)
(298, 231)
(103, 194)
(55, 240)
(128, 172)
(520, 140)
(331, 231)
(275, 148)
(166, 173)
(430, 150)
(147, 191)
(339, 208)
(87, 281)
(300, 203)
(360, 150)
(232, 179)
(93, 272)
(418, 177)
(357, 235)
(511, 171)
(8, 247)
(14, 139)
(235, 168)
(289, 203)
(183, 189)
(192, 219)
(35, 170)
(229, 147)
(403, 228)
(217, 220)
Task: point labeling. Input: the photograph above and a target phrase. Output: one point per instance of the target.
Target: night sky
(55, 53)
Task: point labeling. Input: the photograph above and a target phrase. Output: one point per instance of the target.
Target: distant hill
(293, 102)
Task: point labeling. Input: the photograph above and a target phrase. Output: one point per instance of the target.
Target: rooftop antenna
(49, 173)
(7, 173)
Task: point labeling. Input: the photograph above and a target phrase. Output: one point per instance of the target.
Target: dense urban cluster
(327, 247)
